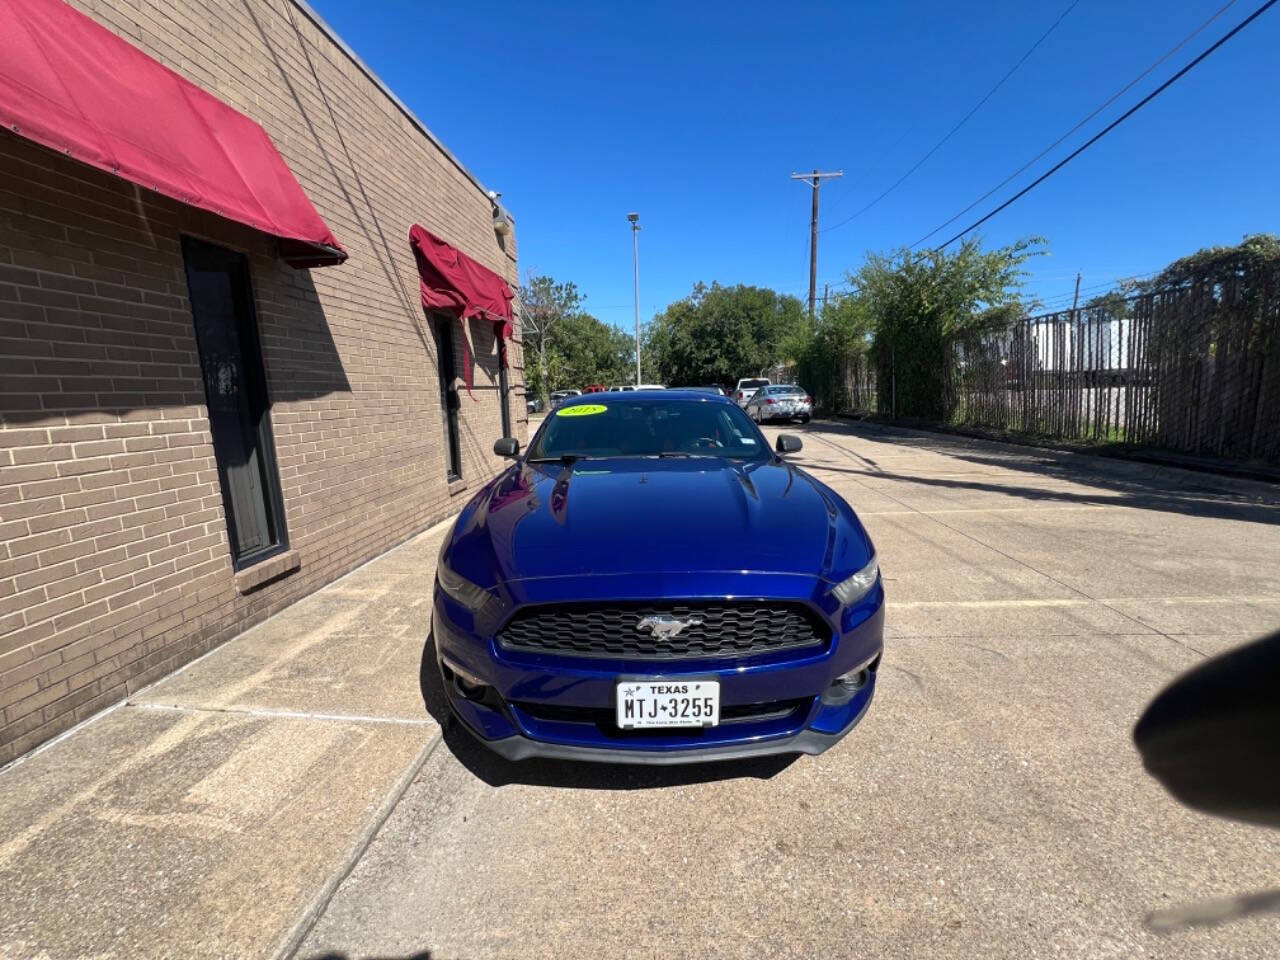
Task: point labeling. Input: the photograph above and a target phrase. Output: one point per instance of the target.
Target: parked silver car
(560, 396)
(783, 401)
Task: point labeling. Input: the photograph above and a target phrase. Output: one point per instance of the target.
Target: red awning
(70, 84)
(457, 284)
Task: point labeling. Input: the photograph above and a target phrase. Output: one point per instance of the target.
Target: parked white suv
(747, 387)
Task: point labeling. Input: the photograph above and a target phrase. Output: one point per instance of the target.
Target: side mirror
(787, 443)
(1210, 736)
(507, 447)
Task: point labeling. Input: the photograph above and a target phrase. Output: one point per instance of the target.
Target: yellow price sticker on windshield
(582, 410)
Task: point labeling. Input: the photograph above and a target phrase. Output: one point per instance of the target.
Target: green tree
(921, 302)
(840, 338)
(1113, 303)
(566, 346)
(544, 305)
(1256, 254)
(588, 350)
(718, 334)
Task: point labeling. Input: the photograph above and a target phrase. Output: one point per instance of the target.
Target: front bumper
(808, 741)
(553, 706)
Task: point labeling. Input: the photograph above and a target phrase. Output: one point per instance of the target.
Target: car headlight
(850, 591)
(458, 587)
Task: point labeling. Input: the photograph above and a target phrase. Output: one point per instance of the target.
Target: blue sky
(696, 113)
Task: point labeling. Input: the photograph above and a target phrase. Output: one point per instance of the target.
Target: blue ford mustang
(650, 583)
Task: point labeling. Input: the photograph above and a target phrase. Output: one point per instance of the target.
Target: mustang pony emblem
(664, 627)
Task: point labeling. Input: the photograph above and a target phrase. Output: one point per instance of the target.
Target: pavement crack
(995, 653)
(915, 677)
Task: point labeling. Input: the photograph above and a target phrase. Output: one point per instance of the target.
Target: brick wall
(114, 556)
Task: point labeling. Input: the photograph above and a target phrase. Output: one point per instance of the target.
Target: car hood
(619, 516)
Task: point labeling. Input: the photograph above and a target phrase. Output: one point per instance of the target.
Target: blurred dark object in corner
(1212, 737)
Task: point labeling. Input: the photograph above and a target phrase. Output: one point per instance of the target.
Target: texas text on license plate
(668, 703)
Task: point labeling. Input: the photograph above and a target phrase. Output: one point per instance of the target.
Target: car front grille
(723, 628)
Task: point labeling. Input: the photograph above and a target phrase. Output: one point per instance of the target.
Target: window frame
(504, 387)
(253, 368)
(446, 362)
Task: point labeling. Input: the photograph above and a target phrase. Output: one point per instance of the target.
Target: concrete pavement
(990, 805)
(209, 815)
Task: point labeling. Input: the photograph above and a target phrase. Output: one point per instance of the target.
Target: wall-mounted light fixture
(501, 218)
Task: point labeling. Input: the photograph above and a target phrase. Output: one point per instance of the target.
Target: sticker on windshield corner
(582, 410)
(749, 441)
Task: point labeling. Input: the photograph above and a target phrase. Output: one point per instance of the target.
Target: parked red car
(595, 388)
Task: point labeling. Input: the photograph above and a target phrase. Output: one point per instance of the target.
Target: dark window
(503, 387)
(235, 390)
(449, 400)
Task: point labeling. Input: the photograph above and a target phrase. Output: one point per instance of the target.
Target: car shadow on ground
(334, 955)
(569, 774)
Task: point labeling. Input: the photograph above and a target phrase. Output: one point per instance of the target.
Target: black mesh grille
(718, 629)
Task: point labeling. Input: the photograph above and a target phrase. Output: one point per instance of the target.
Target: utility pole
(815, 179)
(1075, 301)
(635, 271)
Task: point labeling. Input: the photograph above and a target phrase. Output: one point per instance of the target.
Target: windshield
(786, 392)
(752, 384)
(665, 428)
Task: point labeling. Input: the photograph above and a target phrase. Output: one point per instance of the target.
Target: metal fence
(1192, 369)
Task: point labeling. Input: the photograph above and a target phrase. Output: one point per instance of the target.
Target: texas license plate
(668, 703)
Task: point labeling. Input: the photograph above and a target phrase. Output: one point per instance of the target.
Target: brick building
(149, 512)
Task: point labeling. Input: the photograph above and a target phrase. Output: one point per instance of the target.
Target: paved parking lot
(991, 804)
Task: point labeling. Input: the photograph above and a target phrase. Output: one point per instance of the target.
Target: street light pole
(635, 271)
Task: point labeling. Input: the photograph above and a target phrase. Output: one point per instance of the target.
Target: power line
(1096, 288)
(1063, 298)
(1117, 278)
(1110, 100)
(787, 287)
(965, 119)
(1115, 123)
(844, 195)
